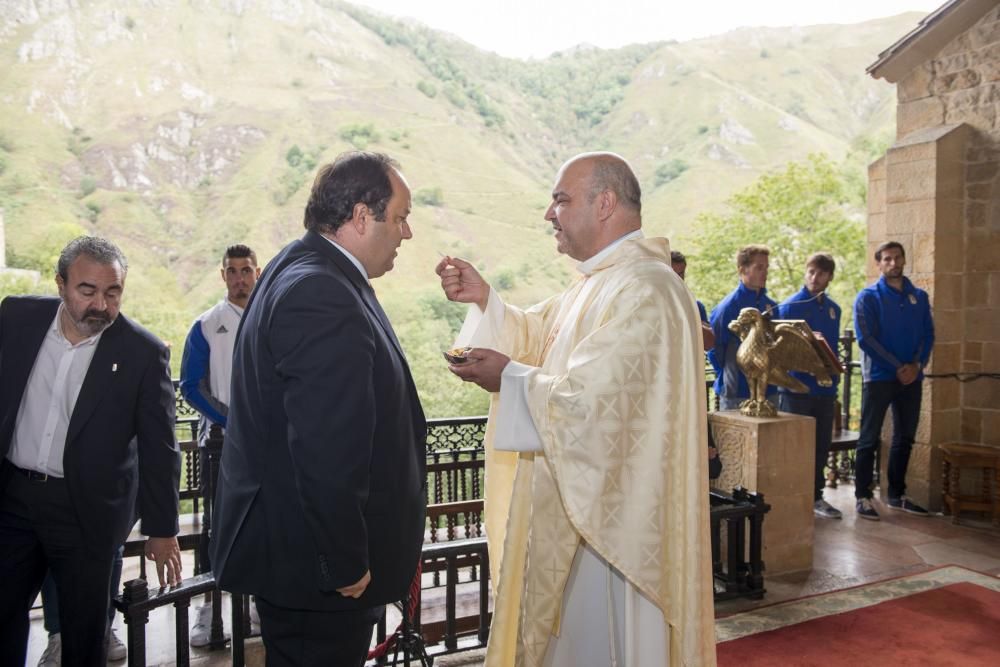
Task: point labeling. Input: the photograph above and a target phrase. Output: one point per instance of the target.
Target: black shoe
(866, 510)
(904, 504)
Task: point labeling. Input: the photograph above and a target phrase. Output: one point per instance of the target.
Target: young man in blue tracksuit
(678, 262)
(730, 384)
(895, 331)
(822, 314)
(206, 367)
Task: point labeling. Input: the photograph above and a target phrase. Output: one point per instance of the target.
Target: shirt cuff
(483, 328)
(516, 431)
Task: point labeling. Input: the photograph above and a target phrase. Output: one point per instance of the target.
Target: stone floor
(848, 552)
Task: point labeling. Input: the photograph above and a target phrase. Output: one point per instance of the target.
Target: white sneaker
(201, 633)
(52, 655)
(116, 647)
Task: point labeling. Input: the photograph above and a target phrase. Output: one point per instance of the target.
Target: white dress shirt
(351, 258)
(49, 399)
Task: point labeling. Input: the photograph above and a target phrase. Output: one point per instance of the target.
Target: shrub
(359, 135)
(429, 197)
(87, 186)
(294, 156)
(670, 171)
(427, 88)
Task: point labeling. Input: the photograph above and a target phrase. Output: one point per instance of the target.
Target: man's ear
(359, 217)
(60, 285)
(608, 201)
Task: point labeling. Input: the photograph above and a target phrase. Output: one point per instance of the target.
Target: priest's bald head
(595, 201)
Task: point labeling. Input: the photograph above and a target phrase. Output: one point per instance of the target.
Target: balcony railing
(455, 562)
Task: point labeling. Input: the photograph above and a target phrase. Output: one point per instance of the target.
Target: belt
(35, 476)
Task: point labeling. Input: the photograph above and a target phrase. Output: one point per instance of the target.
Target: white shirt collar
(587, 267)
(349, 256)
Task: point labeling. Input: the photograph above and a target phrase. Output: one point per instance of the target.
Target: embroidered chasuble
(611, 503)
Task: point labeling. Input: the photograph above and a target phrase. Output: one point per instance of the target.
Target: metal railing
(454, 557)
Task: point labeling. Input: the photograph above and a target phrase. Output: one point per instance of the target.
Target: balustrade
(455, 553)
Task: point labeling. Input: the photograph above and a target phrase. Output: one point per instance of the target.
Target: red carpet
(957, 625)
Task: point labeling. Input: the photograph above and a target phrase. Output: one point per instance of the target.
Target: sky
(537, 28)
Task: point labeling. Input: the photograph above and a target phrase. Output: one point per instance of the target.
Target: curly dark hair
(355, 177)
(100, 250)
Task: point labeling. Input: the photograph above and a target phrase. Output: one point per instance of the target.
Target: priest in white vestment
(596, 453)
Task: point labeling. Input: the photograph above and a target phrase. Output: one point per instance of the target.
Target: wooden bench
(979, 461)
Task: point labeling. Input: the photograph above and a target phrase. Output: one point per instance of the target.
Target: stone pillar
(917, 198)
(773, 456)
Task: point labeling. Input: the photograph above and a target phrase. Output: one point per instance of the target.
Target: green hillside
(178, 128)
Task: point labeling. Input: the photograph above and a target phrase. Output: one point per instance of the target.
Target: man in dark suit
(87, 441)
(321, 498)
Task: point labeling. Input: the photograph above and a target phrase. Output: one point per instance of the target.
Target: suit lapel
(360, 283)
(97, 382)
(321, 245)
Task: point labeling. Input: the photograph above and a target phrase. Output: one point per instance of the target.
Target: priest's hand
(461, 282)
(167, 555)
(483, 367)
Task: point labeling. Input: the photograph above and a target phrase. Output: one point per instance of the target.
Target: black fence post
(181, 640)
(847, 345)
(484, 596)
(136, 591)
(212, 455)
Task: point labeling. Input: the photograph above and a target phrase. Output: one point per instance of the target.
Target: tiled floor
(853, 551)
(847, 552)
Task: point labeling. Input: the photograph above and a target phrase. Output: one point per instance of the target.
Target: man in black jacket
(86, 442)
(321, 498)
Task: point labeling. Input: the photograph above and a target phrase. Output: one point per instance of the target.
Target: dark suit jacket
(323, 466)
(120, 446)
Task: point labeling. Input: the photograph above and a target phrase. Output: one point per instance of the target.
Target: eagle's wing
(793, 351)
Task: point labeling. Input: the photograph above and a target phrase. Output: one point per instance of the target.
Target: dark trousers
(820, 408)
(876, 397)
(39, 532)
(303, 638)
(50, 597)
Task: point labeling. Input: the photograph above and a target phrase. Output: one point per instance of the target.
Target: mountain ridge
(178, 128)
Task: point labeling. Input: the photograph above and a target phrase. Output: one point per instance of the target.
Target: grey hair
(100, 250)
(612, 172)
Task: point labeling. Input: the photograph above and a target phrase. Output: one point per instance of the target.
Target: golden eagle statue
(769, 351)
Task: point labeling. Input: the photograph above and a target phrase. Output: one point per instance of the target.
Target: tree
(808, 207)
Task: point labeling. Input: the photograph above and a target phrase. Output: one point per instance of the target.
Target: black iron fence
(455, 561)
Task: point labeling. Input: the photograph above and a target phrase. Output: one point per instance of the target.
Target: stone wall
(937, 191)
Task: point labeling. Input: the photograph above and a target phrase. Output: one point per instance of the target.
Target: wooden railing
(454, 556)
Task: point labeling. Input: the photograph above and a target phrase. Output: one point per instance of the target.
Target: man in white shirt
(86, 443)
